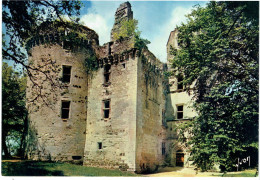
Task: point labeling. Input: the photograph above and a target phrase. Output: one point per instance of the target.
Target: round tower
(60, 58)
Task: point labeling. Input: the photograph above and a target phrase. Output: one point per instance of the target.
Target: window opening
(106, 108)
(76, 157)
(66, 73)
(107, 73)
(163, 148)
(180, 83)
(99, 145)
(180, 112)
(65, 109)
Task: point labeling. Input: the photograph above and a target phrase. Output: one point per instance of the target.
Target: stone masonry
(119, 115)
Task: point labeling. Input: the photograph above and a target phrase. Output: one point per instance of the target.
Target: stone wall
(51, 137)
(117, 133)
(177, 97)
(118, 112)
(150, 107)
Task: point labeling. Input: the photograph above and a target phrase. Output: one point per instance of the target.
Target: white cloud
(98, 24)
(100, 18)
(158, 44)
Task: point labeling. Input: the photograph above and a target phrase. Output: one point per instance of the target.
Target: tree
(21, 20)
(129, 29)
(219, 50)
(14, 112)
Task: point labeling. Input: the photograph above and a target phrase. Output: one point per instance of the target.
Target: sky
(156, 19)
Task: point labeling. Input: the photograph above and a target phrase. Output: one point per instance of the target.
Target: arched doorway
(179, 158)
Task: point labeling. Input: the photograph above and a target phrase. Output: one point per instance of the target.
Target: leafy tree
(14, 113)
(129, 29)
(21, 20)
(219, 50)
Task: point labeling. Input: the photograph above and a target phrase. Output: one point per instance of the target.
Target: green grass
(34, 168)
(246, 173)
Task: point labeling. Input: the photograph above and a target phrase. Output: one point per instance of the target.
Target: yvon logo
(243, 161)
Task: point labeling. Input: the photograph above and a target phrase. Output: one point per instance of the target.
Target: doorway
(179, 158)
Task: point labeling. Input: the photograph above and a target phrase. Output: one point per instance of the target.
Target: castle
(122, 114)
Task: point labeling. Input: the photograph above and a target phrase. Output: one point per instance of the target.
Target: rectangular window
(66, 73)
(65, 109)
(180, 83)
(180, 112)
(106, 108)
(99, 145)
(163, 148)
(107, 74)
(123, 65)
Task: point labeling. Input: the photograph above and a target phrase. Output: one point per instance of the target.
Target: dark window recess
(107, 73)
(180, 112)
(180, 108)
(107, 104)
(106, 77)
(180, 83)
(106, 113)
(67, 45)
(66, 73)
(65, 109)
(99, 145)
(163, 148)
(106, 108)
(76, 157)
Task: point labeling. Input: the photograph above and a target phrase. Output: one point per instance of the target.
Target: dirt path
(182, 172)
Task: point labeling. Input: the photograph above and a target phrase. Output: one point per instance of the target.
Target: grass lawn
(34, 168)
(246, 173)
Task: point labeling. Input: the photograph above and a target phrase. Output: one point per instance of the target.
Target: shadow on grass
(29, 168)
(166, 169)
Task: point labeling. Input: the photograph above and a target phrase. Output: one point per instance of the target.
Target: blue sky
(156, 19)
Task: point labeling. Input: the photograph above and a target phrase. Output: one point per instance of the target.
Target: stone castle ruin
(116, 111)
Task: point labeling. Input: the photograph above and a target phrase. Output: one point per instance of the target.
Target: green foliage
(129, 29)
(14, 111)
(219, 50)
(74, 35)
(22, 18)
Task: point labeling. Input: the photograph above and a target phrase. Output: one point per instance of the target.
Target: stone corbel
(137, 53)
(101, 63)
(116, 58)
(111, 59)
(105, 60)
(131, 54)
(127, 56)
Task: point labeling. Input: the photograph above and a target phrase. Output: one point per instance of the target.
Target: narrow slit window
(66, 74)
(180, 112)
(106, 108)
(163, 148)
(65, 109)
(107, 73)
(99, 145)
(180, 83)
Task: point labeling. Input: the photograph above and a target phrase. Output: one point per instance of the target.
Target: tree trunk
(4, 146)
(22, 150)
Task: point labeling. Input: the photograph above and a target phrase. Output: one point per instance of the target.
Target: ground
(35, 168)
